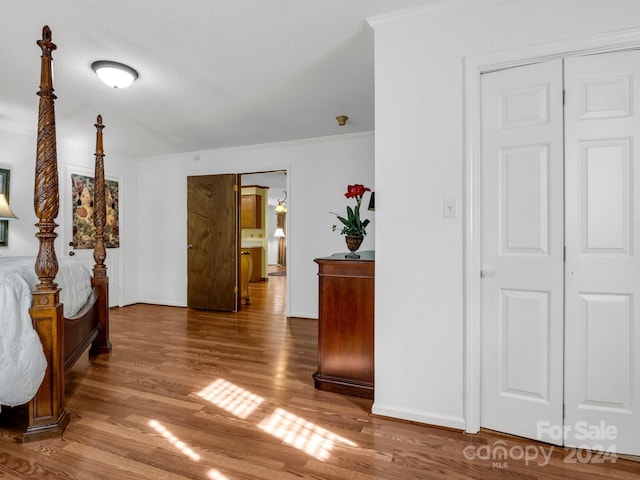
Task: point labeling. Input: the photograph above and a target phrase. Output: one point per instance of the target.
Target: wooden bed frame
(63, 339)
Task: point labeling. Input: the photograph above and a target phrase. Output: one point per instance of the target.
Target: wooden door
(522, 249)
(602, 292)
(212, 233)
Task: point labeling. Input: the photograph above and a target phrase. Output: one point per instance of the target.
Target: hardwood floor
(202, 395)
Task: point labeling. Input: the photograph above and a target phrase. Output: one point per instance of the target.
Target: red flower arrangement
(352, 225)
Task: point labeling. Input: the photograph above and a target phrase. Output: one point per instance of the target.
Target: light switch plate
(449, 209)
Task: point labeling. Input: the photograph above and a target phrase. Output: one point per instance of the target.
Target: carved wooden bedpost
(47, 415)
(46, 199)
(100, 280)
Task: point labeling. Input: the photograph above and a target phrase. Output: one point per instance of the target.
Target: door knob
(189, 246)
(487, 271)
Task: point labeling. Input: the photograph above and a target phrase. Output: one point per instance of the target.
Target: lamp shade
(114, 74)
(5, 210)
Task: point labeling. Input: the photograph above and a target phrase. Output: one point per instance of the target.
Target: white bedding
(22, 361)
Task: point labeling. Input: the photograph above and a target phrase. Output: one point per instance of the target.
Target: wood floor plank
(189, 394)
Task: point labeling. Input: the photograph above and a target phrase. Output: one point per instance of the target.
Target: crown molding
(262, 146)
(18, 129)
(436, 8)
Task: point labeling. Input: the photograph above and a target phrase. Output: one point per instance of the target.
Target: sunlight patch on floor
(230, 397)
(291, 429)
(302, 434)
(216, 475)
(179, 444)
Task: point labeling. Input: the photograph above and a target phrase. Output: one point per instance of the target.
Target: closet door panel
(522, 230)
(602, 286)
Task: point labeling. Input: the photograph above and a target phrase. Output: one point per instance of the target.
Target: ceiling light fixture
(114, 74)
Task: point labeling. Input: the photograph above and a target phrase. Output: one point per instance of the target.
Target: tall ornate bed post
(47, 415)
(100, 280)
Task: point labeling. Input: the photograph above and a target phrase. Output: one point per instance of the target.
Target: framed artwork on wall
(4, 224)
(82, 209)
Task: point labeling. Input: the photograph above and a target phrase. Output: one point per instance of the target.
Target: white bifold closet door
(602, 237)
(522, 249)
(560, 239)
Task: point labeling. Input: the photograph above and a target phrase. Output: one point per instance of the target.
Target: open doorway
(263, 237)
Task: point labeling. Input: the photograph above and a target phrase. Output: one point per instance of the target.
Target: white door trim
(473, 68)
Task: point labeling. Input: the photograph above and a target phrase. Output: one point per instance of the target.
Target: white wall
(18, 153)
(319, 171)
(419, 161)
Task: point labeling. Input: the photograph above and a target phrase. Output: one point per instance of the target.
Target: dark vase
(353, 244)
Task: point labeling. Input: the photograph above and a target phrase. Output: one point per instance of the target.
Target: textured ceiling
(213, 73)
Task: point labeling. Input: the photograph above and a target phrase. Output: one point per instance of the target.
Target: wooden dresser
(345, 324)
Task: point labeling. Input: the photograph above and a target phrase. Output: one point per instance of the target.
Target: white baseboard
(420, 416)
(157, 301)
(310, 316)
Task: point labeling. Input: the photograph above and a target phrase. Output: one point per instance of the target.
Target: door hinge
(235, 289)
(564, 254)
(235, 187)
(564, 94)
